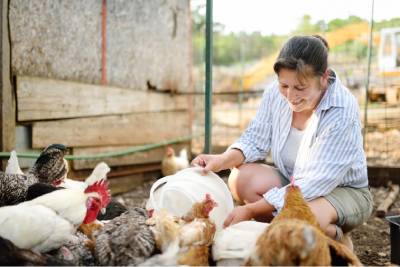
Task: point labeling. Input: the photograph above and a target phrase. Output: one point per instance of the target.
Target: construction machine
(389, 67)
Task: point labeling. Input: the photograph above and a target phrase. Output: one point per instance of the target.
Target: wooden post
(7, 97)
(388, 201)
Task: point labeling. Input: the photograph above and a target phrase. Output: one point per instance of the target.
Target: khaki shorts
(353, 205)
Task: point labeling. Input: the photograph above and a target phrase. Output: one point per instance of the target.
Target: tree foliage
(234, 48)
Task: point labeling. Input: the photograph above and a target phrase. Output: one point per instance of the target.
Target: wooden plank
(124, 184)
(40, 99)
(132, 129)
(388, 201)
(7, 96)
(151, 156)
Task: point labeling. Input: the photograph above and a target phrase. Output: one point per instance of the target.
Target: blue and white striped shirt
(331, 152)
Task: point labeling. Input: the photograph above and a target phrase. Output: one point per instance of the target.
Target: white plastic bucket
(177, 193)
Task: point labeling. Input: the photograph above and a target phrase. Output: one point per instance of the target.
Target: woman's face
(302, 95)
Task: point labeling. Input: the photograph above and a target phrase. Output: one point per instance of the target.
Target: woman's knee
(236, 181)
(249, 181)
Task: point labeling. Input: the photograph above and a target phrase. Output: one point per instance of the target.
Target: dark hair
(308, 55)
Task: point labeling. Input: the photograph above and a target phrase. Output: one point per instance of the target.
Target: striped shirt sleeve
(325, 162)
(255, 142)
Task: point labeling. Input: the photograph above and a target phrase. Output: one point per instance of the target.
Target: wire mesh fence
(232, 112)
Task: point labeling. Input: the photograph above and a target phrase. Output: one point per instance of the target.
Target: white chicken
(99, 173)
(232, 245)
(49, 221)
(171, 164)
(13, 164)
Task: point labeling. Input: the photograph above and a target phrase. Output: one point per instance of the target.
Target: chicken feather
(38, 227)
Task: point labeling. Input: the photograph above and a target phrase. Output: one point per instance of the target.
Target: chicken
(13, 164)
(13, 256)
(190, 236)
(125, 240)
(114, 209)
(233, 244)
(166, 232)
(294, 237)
(171, 164)
(50, 167)
(39, 189)
(49, 221)
(196, 236)
(76, 251)
(99, 173)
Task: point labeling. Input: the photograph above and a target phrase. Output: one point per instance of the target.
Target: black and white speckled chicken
(125, 240)
(50, 167)
(76, 251)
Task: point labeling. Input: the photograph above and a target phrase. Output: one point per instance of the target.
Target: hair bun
(322, 40)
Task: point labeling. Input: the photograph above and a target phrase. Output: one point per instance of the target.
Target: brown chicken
(197, 234)
(294, 237)
(186, 240)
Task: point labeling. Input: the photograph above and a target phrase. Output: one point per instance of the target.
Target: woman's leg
(326, 215)
(250, 181)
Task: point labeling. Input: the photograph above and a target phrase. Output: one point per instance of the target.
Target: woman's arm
(255, 141)
(260, 209)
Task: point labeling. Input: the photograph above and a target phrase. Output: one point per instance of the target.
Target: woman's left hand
(240, 213)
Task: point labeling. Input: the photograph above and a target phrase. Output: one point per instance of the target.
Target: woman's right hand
(209, 162)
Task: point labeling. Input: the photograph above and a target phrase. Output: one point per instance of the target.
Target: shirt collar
(333, 96)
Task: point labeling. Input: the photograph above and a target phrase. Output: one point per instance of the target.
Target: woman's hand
(240, 213)
(227, 160)
(209, 162)
(260, 210)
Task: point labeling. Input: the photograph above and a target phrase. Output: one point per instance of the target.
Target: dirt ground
(371, 240)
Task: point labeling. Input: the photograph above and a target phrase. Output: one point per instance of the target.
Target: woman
(310, 122)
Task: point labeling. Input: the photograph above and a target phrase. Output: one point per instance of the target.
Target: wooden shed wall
(56, 58)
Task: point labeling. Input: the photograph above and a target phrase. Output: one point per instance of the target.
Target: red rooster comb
(209, 205)
(100, 187)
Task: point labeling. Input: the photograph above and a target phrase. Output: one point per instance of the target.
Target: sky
(282, 16)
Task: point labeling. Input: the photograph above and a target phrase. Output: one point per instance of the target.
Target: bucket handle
(157, 184)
